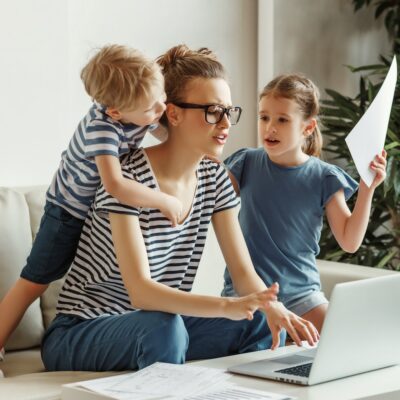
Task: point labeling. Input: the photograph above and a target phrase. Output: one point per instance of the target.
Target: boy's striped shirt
(77, 178)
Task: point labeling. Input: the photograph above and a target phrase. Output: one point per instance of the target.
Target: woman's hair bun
(181, 52)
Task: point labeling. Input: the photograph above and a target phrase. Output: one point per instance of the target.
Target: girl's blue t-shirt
(281, 217)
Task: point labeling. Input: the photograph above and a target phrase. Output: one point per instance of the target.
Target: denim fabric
(140, 338)
(54, 247)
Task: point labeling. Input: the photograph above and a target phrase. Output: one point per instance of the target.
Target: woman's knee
(168, 342)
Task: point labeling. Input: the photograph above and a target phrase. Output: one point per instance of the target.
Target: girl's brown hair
(180, 65)
(303, 91)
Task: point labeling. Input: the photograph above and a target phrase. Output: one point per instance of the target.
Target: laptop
(360, 334)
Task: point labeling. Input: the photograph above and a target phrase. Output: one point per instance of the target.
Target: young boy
(128, 100)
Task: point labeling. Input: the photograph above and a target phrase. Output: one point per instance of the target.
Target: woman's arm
(233, 246)
(147, 294)
(245, 280)
(349, 227)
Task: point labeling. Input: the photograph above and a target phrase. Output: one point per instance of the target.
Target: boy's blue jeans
(140, 338)
(54, 247)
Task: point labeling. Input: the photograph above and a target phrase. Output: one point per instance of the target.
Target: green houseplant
(381, 246)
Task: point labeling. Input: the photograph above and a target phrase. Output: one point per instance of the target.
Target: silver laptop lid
(361, 329)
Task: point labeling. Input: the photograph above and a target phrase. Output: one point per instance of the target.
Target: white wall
(45, 43)
(319, 37)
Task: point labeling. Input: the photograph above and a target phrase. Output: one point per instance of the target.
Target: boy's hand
(278, 317)
(378, 165)
(172, 209)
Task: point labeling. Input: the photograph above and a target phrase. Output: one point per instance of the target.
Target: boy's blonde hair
(181, 65)
(303, 91)
(120, 77)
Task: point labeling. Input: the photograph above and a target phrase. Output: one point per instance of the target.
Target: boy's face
(148, 111)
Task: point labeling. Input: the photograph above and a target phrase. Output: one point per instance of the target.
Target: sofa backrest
(18, 213)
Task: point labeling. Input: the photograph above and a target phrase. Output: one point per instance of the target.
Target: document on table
(367, 138)
(169, 381)
(158, 380)
(239, 393)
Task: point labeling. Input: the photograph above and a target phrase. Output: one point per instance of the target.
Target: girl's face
(282, 130)
(194, 132)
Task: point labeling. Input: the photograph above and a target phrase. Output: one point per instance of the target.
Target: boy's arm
(133, 193)
(349, 227)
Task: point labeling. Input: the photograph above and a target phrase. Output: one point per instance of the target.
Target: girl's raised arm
(349, 227)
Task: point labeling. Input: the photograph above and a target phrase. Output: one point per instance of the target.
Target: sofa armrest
(336, 272)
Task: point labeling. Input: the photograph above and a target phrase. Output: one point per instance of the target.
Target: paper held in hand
(367, 138)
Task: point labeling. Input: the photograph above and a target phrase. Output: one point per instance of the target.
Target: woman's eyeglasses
(214, 113)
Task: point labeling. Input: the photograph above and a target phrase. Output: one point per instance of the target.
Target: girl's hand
(213, 159)
(278, 317)
(378, 165)
(237, 308)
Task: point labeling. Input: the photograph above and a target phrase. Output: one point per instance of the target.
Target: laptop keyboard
(299, 370)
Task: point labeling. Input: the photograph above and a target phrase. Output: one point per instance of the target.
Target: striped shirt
(75, 183)
(94, 286)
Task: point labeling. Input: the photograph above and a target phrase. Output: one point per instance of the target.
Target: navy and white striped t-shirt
(75, 183)
(94, 286)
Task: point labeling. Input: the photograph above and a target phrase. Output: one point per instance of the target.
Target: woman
(126, 302)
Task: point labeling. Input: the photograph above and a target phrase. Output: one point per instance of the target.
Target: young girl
(126, 301)
(285, 190)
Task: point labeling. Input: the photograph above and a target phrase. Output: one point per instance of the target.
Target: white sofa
(25, 378)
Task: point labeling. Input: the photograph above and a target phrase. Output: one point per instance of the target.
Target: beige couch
(25, 378)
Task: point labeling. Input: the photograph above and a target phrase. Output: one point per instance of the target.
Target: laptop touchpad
(295, 359)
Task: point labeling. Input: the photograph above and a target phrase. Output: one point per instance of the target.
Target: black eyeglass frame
(205, 107)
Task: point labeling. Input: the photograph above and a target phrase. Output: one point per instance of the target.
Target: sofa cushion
(15, 245)
(35, 198)
(48, 301)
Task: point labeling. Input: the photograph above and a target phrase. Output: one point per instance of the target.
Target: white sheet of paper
(367, 138)
(159, 380)
(239, 393)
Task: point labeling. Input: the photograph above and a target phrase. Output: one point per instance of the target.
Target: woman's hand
(278, 317)
(237, 308)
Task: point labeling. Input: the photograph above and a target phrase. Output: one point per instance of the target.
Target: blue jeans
(54, 247)
(140, 338)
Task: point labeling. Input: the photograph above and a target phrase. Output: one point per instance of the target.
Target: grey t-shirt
(281, 217)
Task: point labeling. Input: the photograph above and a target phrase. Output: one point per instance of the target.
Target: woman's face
(194, 131)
